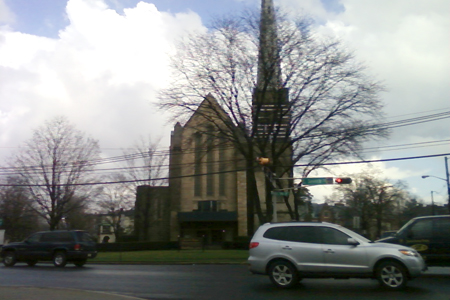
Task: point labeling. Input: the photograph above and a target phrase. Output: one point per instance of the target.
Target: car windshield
(388, 234)
(404, 227)
(358, 236)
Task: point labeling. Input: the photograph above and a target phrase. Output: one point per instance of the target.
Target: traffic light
(263, 160)
(343, 180)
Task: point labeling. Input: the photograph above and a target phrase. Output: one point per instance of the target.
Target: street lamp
(426, 176)
(446, 180)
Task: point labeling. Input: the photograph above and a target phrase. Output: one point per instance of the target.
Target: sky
(101, 64)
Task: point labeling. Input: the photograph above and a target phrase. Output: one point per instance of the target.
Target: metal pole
(448, 183)
(432, 203)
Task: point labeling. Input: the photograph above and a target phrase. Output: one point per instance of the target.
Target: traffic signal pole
(276, 192)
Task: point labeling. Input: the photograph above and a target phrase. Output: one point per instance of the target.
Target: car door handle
(286, 248)
(329, 251)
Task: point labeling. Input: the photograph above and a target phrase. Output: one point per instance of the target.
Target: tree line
(50, 186)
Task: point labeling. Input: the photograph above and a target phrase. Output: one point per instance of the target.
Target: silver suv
(288, 252)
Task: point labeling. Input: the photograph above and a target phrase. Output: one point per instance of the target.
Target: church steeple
(271, 114)
(269, 71)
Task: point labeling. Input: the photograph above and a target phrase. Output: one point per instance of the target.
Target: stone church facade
(208, 192)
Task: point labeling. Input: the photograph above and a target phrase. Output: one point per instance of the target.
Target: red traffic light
(343, 180)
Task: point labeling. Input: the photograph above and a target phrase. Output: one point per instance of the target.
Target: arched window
(197, 164)
(222, 167)
(210, 162)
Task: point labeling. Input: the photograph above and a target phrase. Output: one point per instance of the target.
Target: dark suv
(429, 235)
(59, 246)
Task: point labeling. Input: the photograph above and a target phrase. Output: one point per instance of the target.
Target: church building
(207, 193)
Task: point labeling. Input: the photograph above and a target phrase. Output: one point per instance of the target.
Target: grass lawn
(174, 256)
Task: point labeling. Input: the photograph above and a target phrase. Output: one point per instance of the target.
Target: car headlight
(408, 252)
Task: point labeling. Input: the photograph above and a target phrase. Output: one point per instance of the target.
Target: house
(109, 224)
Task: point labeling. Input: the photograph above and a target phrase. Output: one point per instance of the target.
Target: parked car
(59, 246)
(429, 235)
(288, 252)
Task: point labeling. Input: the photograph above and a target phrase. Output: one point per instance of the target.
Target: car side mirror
(352, 242)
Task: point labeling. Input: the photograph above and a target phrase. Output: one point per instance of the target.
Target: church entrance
(213, 233)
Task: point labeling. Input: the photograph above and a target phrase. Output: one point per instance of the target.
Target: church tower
(271, 116)
(271, 120)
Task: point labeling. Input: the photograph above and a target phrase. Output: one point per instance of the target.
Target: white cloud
(102, 72)
(405, 44)
(6, 16)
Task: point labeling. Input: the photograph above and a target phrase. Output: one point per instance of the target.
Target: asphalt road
(199, 282)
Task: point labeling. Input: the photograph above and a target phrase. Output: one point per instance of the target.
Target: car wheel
(32, 263)
(392, 275)
(79, 263)
(59, 259)
(283, 274)
(9, 259)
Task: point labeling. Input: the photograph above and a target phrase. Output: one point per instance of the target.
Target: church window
(222, 167)
(210, 163)
(208, 206)
(198, 164)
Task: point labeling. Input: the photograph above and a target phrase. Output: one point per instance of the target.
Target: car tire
(392, 275)
(283, 274)
(60, 259)
(31, 263)
(79, 263)
(9, 259)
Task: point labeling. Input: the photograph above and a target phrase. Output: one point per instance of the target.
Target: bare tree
(146, 161)
(332, 108)
(113, 200)
(19, 219)
(374, 200)
(55, 165)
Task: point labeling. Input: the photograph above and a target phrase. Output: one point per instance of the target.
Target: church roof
(209, 106)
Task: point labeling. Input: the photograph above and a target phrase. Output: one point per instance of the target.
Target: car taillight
(77, 247)
(254, 245)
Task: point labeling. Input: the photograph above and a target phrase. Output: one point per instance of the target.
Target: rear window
(442, 228)
(276, 233)
(84, 237)
(301, 234)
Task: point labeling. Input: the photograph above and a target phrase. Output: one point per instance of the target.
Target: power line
(402, 145)
(143, 155)
(377, 160)
(221, 172)
(39, 170)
